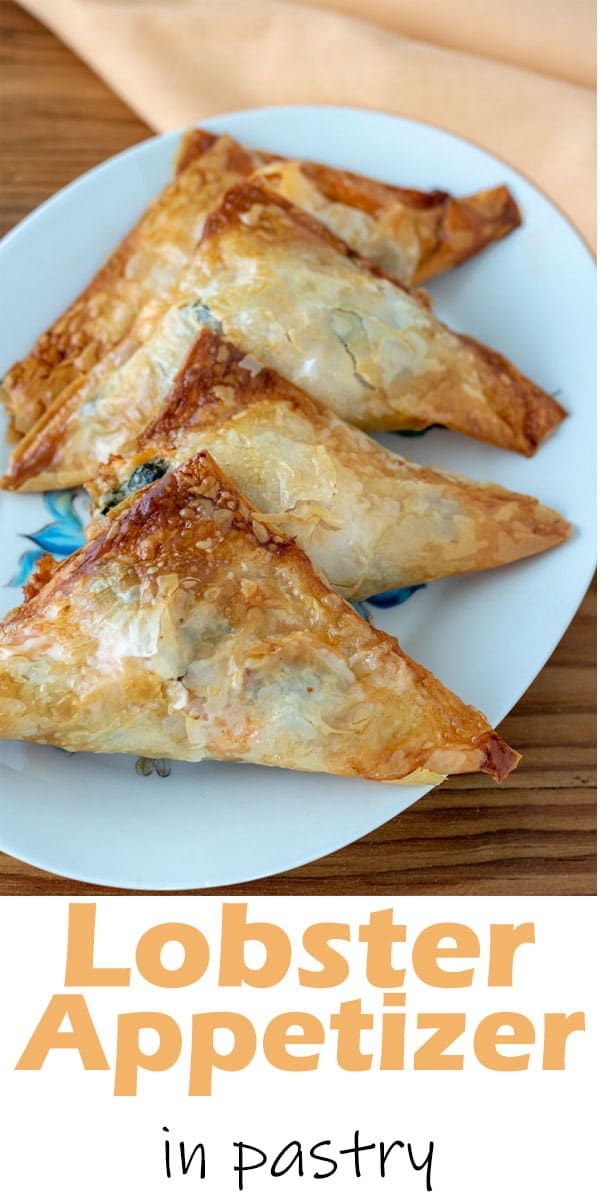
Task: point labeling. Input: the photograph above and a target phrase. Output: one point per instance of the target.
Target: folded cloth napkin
(516, 78)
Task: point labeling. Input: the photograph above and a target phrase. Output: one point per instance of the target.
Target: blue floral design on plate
(59, 537)
(386, 599)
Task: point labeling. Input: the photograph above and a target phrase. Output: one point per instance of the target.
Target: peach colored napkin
(517, 78)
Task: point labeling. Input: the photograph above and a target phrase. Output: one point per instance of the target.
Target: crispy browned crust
(241, 197)
(448, 232)
(41, 575)
(528, 412)
(195, 143)
(244, 195)
(151, 529)
(218, 382)
(499, 758)
(36, 450)
(37, 447)
(449, 229)
(212, 387)
(104, 313)
(67, 350)
(461, 228)
(158, 533)
(65, 353)
(249, 192)
(524, 413)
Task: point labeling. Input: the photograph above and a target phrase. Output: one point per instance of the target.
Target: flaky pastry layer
(191, 629)
(368, 519)
(414, 235)
(277, 283)
(116, 310)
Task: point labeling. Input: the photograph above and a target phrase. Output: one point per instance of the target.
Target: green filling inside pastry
(146, 473)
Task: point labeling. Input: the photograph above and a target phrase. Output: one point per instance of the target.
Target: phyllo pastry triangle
(367, 519)
(411, 235)
(295, 296)
(141, 272)
(276, 282)
(190, 629)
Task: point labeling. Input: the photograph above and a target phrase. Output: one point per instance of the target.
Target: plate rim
(270, 109)
(173, 136)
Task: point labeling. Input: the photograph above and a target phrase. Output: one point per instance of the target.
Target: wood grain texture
(535, 835)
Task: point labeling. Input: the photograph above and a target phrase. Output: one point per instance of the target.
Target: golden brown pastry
(190, 629)
(277, 283)
(413, 234)
(292, 294)
(106, 416)
(122, 300)
(410, 234)
(367, 519)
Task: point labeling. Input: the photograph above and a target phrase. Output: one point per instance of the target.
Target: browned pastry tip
(188, 547)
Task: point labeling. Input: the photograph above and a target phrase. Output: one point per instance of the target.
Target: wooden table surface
(533, 836)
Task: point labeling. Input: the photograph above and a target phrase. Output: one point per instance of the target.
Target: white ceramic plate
(486, 636)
